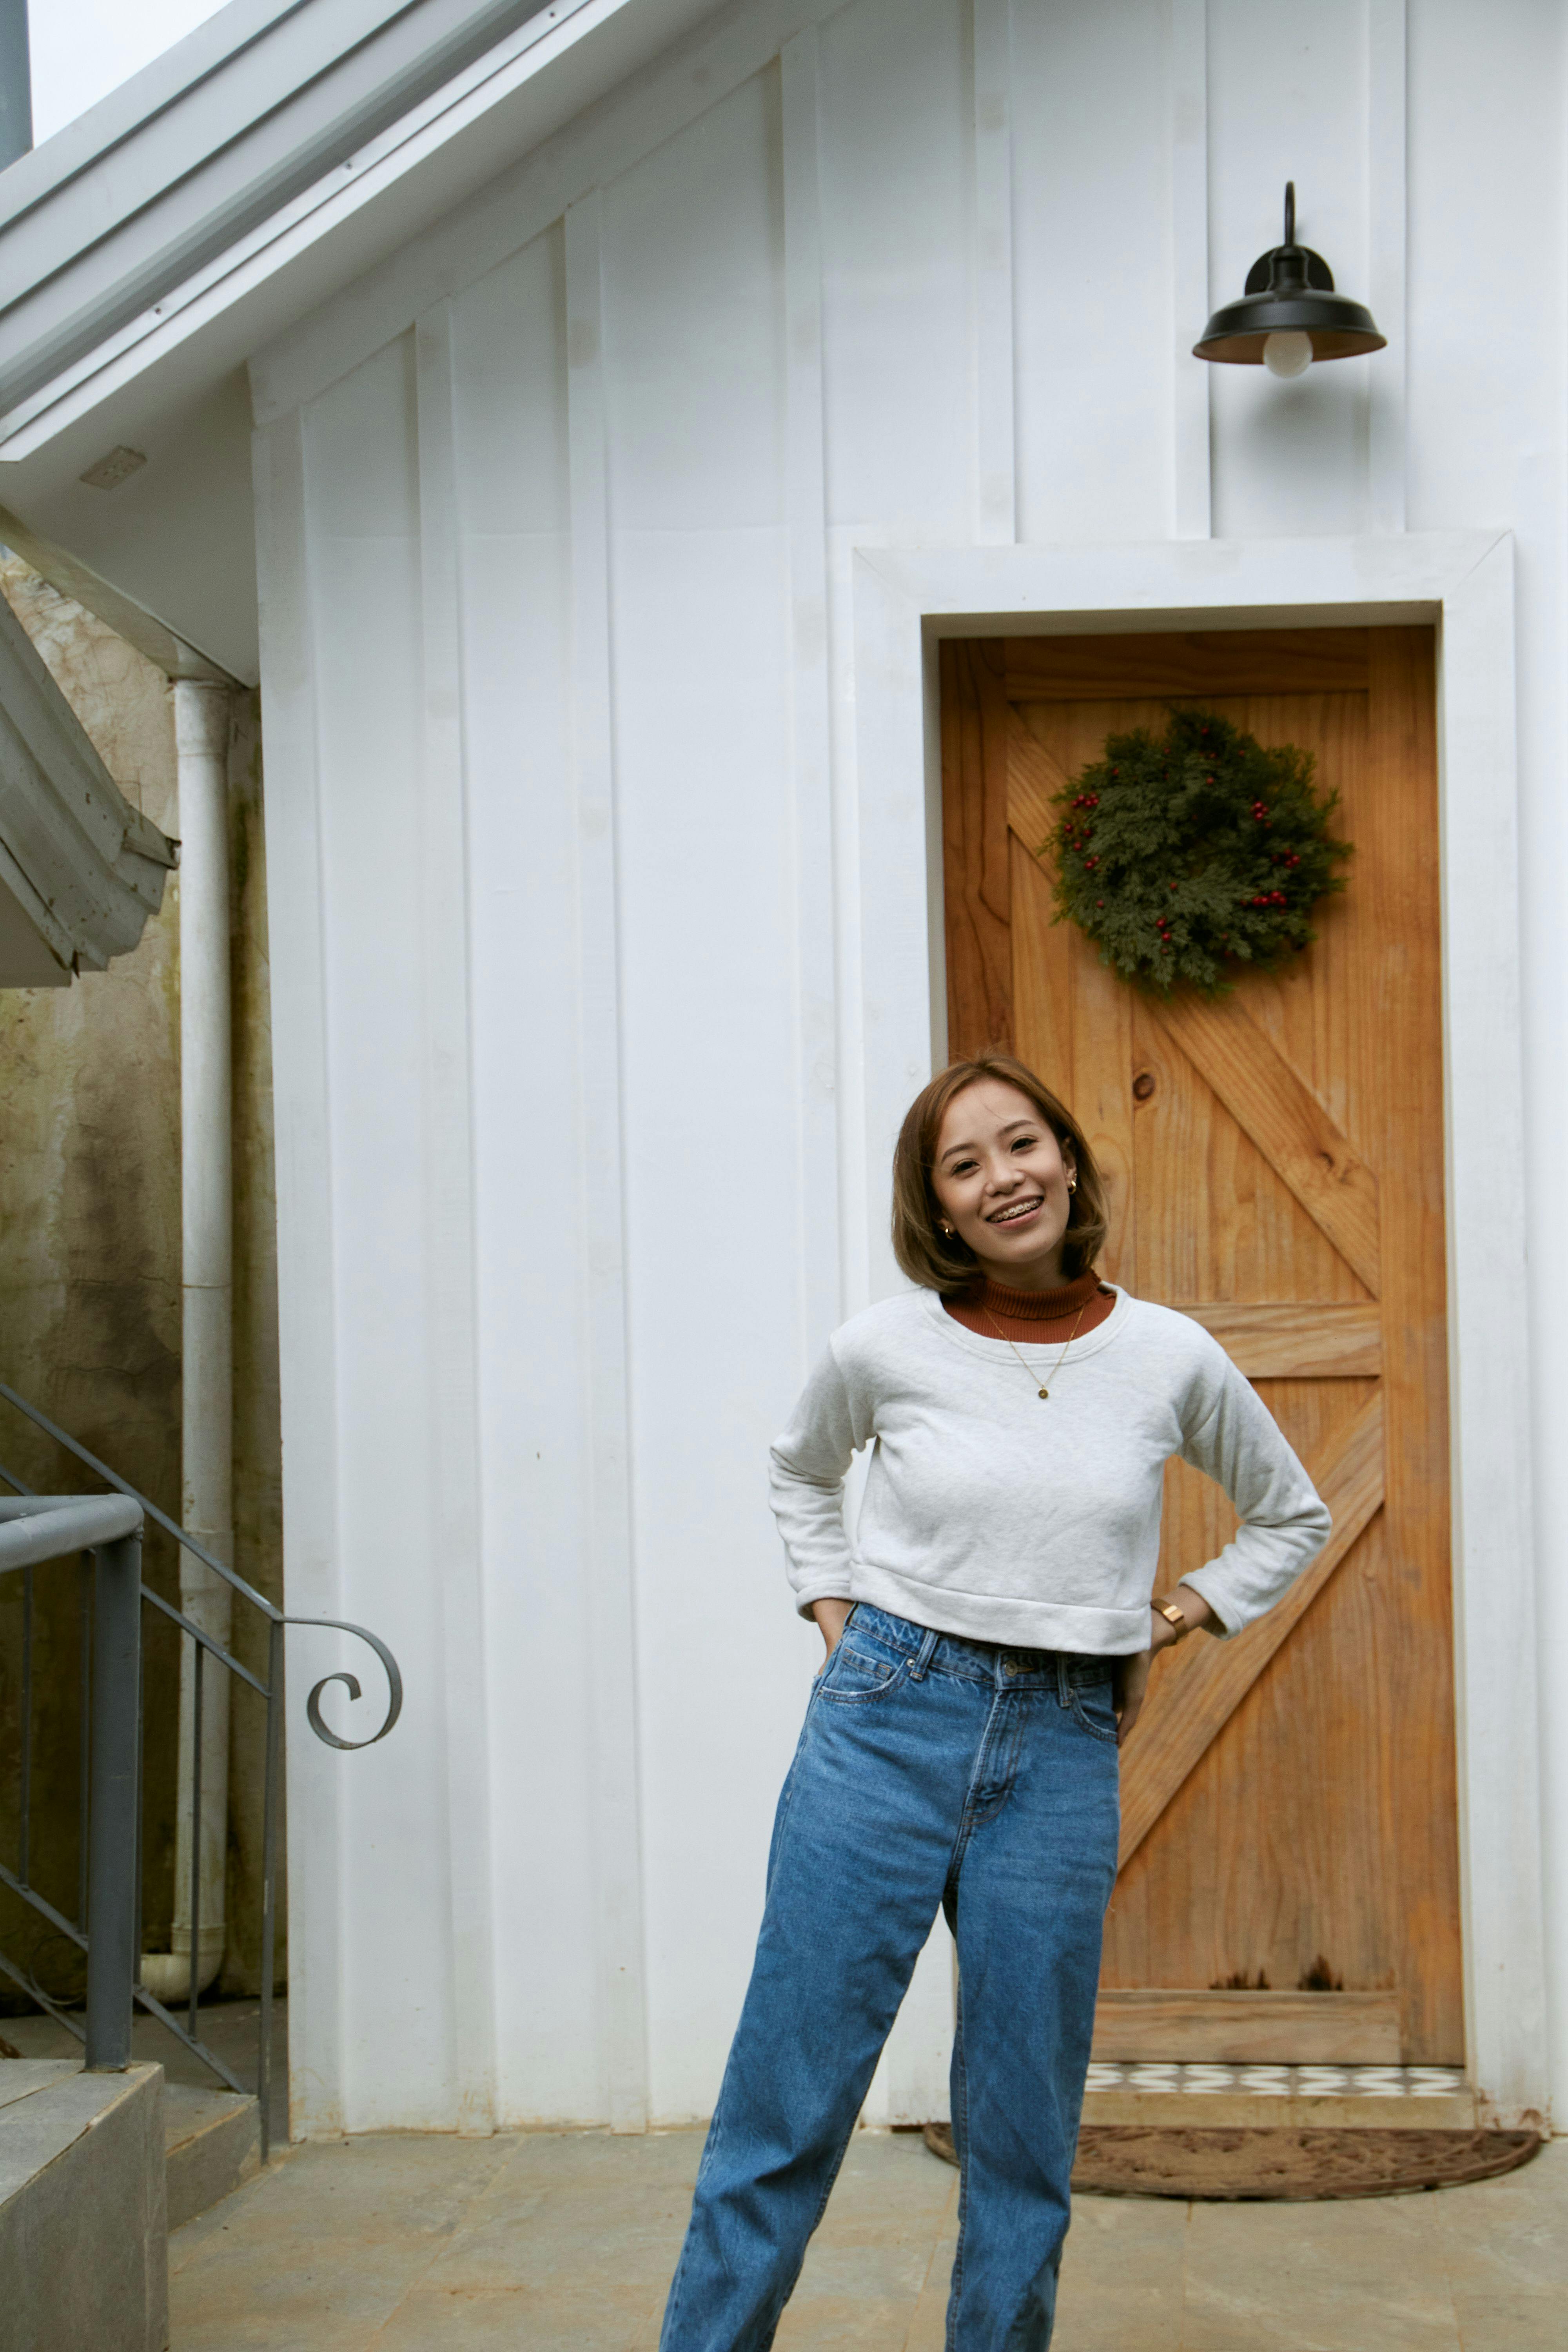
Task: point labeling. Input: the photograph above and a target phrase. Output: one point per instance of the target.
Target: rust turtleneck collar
(989, 1307)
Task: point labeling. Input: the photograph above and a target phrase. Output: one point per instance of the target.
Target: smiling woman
(1019, 1207)
(971, 1125)
(989, 1635)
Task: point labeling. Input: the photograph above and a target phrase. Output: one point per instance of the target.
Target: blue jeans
(929, 1770)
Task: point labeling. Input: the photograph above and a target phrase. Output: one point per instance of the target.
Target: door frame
(904, 603)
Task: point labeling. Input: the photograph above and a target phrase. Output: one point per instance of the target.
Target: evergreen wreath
(1181, 855)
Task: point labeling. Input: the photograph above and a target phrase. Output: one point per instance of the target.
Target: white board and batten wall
(601, 936)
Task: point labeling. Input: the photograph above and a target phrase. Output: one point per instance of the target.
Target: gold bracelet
(1173, 1616)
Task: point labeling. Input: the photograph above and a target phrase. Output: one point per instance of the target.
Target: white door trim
(904, 601)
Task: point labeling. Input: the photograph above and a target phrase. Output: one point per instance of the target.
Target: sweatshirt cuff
(1204, 1582)
(824, 1589)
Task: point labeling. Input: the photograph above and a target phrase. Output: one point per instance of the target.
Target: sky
(84, 48)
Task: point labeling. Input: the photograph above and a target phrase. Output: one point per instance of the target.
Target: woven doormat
(1149, 2160)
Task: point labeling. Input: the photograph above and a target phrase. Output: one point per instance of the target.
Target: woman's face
(1001, 1182)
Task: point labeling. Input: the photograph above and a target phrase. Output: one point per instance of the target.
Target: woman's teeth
(1018, 1208)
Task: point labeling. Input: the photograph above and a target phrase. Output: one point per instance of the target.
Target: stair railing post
(112, 1818)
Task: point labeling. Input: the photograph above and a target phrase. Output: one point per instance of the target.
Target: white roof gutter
(238, 185)
(127, 214)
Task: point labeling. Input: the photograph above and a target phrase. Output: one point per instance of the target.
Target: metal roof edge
(48, 388)
(87, 867)
(88, 136)
(92, 254)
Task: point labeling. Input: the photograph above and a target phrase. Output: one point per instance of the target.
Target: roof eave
(97, 305)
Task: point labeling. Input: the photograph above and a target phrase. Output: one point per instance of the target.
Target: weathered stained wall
(89, 1283)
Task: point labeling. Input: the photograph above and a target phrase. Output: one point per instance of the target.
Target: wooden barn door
(1290, 1879)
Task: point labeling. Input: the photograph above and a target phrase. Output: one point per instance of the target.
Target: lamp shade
(1290, 292)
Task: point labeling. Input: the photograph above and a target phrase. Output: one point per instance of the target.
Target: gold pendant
(1043, 1394)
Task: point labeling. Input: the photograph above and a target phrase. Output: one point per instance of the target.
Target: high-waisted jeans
(929, 1770)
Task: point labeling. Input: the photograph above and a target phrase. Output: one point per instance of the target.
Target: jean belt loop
(927, 1652)
(1061, 1679)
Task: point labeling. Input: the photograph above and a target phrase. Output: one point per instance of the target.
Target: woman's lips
(1016, 1213)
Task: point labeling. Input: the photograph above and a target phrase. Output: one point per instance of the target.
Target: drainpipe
(16, 83)
(201, 744)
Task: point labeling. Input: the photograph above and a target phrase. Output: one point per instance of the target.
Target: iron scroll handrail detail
(230, 1576)
(350, 1683)
(107, 1929)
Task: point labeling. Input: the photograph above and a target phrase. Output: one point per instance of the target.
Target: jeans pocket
(854, 1677)
(1094, 1707)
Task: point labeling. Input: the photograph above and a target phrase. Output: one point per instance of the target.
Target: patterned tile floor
(1283, 2081)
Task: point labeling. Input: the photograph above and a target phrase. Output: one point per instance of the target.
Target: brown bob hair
(940, 1262)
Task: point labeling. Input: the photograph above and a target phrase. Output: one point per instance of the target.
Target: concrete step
(83, 2233)
(214, 2135)
(21, 2077)
(213, 2140)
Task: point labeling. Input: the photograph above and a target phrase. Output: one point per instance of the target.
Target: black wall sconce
(1290, 315)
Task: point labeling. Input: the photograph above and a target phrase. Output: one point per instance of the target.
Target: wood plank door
(1289, 1878)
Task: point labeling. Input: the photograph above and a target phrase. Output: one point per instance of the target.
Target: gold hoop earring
(1072, 1183)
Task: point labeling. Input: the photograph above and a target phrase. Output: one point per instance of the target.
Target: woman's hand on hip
(831, 1616)
(1130, 1681)
(1132, 1674)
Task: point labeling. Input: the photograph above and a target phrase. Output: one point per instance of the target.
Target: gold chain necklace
(1061, 1360)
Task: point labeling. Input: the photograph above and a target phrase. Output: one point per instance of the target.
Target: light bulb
(1289, 354)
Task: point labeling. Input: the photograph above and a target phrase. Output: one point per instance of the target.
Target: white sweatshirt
(989, 1513)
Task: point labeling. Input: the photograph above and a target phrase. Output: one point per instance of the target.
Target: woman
(989, 1636)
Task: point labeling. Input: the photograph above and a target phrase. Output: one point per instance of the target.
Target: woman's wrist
(830, 1616)
(1163, 1634)
(1185, 1605)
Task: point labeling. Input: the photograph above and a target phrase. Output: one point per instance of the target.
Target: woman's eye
(1026, 1142)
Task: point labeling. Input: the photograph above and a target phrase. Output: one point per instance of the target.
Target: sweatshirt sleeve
(1284, 1522)
(807, 1487)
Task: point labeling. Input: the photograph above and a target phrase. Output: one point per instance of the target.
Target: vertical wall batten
(1387, 163)
(995, 520)
(1496, 1620)
(608, 1469)
(307, 1317)
(450, 1305)
(822, 1288)
(1191, 505)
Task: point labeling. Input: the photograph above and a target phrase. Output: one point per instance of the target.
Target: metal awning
(80, 870)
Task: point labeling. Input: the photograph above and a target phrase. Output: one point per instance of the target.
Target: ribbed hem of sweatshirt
(806, 1601)
(1205, 1581)
(1016, 1624)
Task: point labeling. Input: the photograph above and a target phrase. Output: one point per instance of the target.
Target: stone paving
(564, 2243)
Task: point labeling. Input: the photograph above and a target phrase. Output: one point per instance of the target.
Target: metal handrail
(110, 1526)
(36, 1529)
